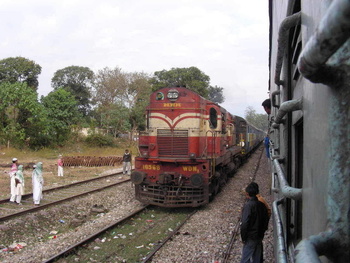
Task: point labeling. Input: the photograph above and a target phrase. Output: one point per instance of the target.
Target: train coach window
(213, 118)
(294, 48)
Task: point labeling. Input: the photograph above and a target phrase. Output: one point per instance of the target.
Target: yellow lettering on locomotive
(190, 168)
(151, 167)
(174, 105)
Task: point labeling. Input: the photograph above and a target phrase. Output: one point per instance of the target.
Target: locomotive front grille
(171, 196)
(172, 143)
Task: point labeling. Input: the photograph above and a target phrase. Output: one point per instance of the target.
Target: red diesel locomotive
(189, 149)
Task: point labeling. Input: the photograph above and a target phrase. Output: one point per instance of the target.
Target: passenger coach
(310, 128)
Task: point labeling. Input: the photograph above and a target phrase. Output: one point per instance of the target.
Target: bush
(99, 140)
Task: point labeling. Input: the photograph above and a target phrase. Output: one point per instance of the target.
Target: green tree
(78, 81)
(21, 115)
(216, 94)
(128, 90)
(114, 119)
(19, 69)
(260, 121)
(62, 114)
(191, 77)
(109, 86)
(137, 98)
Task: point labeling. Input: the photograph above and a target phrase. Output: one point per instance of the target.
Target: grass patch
(70, 149)
(132, 241)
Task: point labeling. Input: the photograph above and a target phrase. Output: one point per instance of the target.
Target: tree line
(108, 99)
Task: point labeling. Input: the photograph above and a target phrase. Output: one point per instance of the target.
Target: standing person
(127, 162)
(12, 179)
(267, 106)
(38, 181)
(60, 165)
(253, 226)
(19, 178)
(261, 199)
(267, 146)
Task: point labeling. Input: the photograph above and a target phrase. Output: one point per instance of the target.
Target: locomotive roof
(189, 90)
(239, 118)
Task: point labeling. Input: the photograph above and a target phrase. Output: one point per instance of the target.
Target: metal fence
(91, 161)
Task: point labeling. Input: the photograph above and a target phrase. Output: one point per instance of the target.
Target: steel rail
(26, 196)
(173, 233)
(234, 234)
(258, 165)
(36, 208)
(227, 253)
(93, 236)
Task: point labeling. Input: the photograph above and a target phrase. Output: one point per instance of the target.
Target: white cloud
(226, 39)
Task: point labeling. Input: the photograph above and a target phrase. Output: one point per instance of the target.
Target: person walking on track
(127, 162)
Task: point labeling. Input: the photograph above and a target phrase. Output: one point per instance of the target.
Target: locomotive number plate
(151, 167)
(175, 105)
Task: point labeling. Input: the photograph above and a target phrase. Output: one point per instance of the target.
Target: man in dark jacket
(127, 162)
(254, 224)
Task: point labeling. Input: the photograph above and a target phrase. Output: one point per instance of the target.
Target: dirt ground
(210, 242)
(71, 174)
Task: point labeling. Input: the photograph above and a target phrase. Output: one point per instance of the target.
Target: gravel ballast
(207, 234)
(203, 238)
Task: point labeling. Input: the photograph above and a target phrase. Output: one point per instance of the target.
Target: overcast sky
(225, 39)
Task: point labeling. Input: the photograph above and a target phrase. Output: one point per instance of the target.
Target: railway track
(82, 250)
(236, 229)
(92, 237)
(56, 195)
(234, 234)
(137, 244)
(148, 258)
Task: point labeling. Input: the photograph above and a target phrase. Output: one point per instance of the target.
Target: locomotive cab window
(223, 123)
(160, 96)
(213, 118)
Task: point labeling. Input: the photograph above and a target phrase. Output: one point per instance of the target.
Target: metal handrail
(288, 106)
(281, 245)
(285, 189)
(311, 248)
(333, 31)
(288, 23)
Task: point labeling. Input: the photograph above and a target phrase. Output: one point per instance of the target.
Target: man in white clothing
(19, 178)
(60, 165)
(38, 181)
(12, 174)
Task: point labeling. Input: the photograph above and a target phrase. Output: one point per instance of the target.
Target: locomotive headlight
(145, 154)
(137, 177)
(197, 180)
(173, 94)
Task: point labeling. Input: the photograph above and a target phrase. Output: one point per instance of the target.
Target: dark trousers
(252, 251)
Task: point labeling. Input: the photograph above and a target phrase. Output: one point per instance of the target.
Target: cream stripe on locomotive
(183, 120)
(186, 120)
